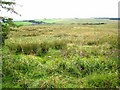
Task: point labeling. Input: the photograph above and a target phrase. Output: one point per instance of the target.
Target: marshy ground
(71, 55)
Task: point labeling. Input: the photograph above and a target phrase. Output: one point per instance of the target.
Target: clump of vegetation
(100, 80)
(59, 44)
(6, 25)
(43, 49)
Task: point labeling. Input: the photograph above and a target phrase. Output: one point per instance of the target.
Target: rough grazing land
(61, 56)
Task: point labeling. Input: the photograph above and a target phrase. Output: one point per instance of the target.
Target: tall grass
(30, 71)
(61, 56)
(36, 48)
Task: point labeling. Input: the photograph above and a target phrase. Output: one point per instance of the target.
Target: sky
(38, 9)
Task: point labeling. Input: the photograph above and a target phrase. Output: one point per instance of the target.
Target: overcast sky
(36, 9)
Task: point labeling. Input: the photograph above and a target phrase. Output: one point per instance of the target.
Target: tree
(8, 5)
(5, 22)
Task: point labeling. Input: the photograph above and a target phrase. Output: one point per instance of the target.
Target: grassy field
(48, 20)
(22, 23)
(64, 21)
(70, 20)
(62, 56)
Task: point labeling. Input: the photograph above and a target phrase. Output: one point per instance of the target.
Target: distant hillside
(28, 22)
(109, 18)
(88, 21)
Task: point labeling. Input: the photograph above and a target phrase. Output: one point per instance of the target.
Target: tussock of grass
(38, 49)
(100, 80)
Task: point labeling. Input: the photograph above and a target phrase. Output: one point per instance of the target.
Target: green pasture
(22, 23)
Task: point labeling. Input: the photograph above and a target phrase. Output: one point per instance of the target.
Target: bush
(6, 25)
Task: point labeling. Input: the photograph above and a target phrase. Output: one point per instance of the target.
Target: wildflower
(49, 56)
